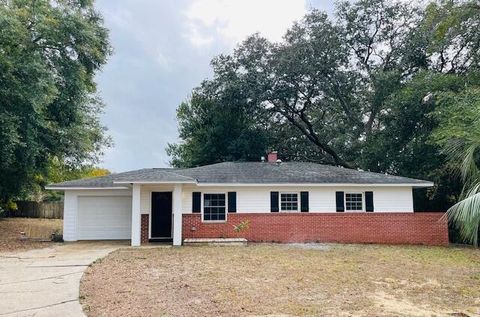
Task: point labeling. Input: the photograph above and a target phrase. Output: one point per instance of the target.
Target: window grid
(354, 201)
(289, 202)
(214, 207)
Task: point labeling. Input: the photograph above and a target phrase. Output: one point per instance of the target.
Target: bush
(12, 206)
(57, 236)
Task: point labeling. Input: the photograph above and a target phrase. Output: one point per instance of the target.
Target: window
(289, 202)
(214, 207)
(354, 201)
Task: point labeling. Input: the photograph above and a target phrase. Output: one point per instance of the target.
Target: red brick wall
(144, 222)
(377, 227)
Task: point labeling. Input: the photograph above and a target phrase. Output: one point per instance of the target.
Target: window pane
(353, 201)
(289, 202)
(214, 207)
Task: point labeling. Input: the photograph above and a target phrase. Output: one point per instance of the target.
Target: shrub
(242, 226)
(57, 236)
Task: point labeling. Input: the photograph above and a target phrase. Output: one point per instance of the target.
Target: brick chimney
(272, 157)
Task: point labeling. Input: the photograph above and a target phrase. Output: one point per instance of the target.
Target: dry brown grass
(36, 230)
(265, 279)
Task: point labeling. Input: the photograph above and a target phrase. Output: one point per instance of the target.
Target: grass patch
(268, 279)
(35, 230)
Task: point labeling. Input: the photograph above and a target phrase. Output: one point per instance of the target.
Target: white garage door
(104, 217)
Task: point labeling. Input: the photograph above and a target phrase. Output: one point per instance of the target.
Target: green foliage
(242, 226)
(59, 172)
(361, 90)
(454, 38)
(459, 135)
(459, 114)
(56, 172)
(403, 147)
(465, 215)
(215, 133)
(49, 54)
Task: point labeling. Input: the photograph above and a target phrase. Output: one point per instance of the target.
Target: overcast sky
(162, 49)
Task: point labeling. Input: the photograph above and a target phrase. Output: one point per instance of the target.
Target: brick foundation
(144, 229)
(377, 227)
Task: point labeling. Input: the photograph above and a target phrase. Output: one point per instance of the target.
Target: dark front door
(161, 215)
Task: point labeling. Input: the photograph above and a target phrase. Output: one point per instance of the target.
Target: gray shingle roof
(245, 173)
(288, 172)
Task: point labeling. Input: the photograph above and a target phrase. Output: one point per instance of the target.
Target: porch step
(215, 241)
(161, 240)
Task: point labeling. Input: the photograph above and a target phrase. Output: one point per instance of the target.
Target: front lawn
(37, 231)
(266, 279)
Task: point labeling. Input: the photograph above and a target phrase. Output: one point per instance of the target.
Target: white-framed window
(354, 202)
(214, 207)
(289, 202)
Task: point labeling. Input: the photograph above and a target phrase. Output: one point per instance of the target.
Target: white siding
(146, 195)
(321, 199)
(70, 216)
(393, 199)
(70, 212)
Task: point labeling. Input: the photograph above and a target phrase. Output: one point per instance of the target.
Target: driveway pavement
(45, 282)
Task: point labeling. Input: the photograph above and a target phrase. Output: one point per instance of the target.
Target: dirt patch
(36, 230)
(264, 279)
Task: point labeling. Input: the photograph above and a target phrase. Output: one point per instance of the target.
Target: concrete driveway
(45, 282)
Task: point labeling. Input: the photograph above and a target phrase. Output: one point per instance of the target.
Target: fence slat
(33, 209)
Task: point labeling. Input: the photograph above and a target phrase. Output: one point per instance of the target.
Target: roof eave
(154, 182)
(83, 187)
(423, 185)
(416, 185)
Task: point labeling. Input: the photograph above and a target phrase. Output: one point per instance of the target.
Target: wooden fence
(33, 209)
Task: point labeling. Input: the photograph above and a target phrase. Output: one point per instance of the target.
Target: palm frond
(459, 136)
(469, 167)
(466, 215)
(458, 150)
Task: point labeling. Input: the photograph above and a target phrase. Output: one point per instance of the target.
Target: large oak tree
(357, 90)
(50, 51)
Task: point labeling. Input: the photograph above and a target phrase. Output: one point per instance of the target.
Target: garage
(104, 217)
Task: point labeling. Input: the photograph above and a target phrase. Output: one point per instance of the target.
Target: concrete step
(215, 241)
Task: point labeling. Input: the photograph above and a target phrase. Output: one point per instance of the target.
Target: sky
(162, 50)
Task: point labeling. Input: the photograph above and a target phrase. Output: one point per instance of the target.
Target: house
(275, 201)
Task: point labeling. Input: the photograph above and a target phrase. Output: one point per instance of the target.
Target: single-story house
(268, 201)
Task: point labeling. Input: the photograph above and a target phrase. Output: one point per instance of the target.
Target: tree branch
(309, 132)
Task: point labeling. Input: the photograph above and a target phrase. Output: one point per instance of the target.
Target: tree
(57, 171)
(358, 90)
(403, 146)
(215, 133)
(446, 52)
(310, 82)
(459, 134)
(49, 54)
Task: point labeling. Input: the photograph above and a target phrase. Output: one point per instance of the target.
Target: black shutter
(369, 201)
(304, 201)
(232, 201)
(274, 201)
(340, 202)
(196, 202)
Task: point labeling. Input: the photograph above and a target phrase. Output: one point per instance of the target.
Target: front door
(161, 215)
